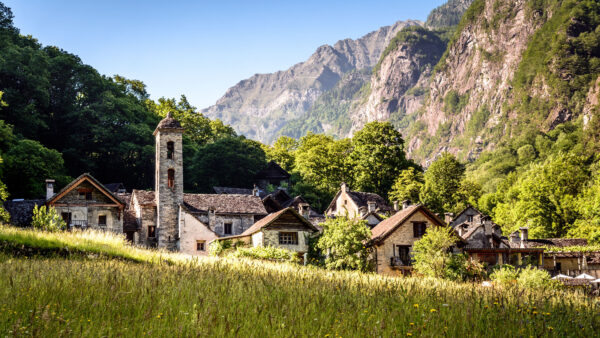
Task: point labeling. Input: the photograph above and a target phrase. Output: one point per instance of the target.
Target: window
(171, 178)
(419, 229)
(170, 150)
(102, 220)
(403, 253)
(200, 245)
(287, 238)
(470, 218)
(227, 229)
(151, 232)
(66, 216)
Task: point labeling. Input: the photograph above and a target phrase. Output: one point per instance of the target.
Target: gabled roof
(272, 218)
(273, 170)
(144, 197)
(362, 199)
(374, 214)
(229, 190)
(225, 203)
(389, 225)
(465, 210)
(86, 177)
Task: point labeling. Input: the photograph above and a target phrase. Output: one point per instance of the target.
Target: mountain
(260, 106)
(448, 14)
(510, 68)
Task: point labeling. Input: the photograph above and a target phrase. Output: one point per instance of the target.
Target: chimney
(371, 206)
(396, 206)
(448, 217)
(344, 187)
(524, 233)
(304, 210)
(487, 226)
(405, 204)
(514, 238)
(460, 230)
(49, 188)
(255, 191)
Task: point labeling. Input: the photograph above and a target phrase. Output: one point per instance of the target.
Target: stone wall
(271, 238)
(345, 206)
(216, 222)
(403, 235)
(90, 214)
(168, 199)
(192, 230)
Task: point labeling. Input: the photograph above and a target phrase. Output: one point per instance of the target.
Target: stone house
(392, 239)
(85, 203)
(283, 229)
(355, 204)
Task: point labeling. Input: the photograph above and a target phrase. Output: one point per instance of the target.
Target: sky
(201, 48)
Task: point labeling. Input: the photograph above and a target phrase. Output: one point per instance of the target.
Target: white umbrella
(596, 281)
(561, 276)
(585, 276)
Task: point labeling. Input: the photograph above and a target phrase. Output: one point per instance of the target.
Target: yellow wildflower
(432, 310)
(412, 324)
(416, 305)
(408, 334)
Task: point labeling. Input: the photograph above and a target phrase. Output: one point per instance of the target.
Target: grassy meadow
(160, 294)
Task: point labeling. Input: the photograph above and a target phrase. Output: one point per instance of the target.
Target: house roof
(225, 203)
(125, 198)
(229, 190)
(362, 199)
(273, 170)
(89, 178)
(272, 218)
(555, 242)
(389, 225)
(465, 210)
(374, 214)
(168, 123)
(115, 187)
(144, 197)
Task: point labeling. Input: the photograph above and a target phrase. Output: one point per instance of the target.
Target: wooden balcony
(400, 262)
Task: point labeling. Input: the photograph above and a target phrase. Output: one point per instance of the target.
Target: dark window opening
(228, 229)
(151, 232)
(102, 220)
(288, 238)
(66, 216)
(403, 253)
(130, 236)
(171, 178)
(170, 150)
(200, 245)
(419, 229)
(470, 218)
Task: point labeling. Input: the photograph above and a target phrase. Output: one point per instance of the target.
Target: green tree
(588, 205)
(47, 219)
(407, 186)
(344, 241)
(282, 152)
(230, 162)
(443, 179)
(377, 157)
(544, 198)
(431, 253)
(28, 164)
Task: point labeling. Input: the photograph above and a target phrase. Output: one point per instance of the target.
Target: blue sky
(201, 48)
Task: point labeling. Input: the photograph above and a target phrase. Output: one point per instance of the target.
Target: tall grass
(226, 297)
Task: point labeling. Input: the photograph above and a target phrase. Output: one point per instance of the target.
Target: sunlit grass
(172, 295)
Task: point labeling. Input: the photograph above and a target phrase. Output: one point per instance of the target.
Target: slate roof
(21, 211)
(555, 242)
(125, 198)
(144, 197)
(361, 199)
(225, 203)
(389, 225)
(273, 171)
(272, 218)
(80, 179)
(168, 123)
(229, 190)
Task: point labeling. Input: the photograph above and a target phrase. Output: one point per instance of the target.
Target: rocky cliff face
(259, 106)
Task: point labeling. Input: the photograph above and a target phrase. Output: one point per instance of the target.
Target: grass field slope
(91, 284)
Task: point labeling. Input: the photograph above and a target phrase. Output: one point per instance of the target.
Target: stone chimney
(405, 204)
(371, 206)
(49, 188)
(255, 191)
(448, 217)
(487, 226)
(304, 210)
(514, 238)
(524, 233)
(344, 187)
(396, 206)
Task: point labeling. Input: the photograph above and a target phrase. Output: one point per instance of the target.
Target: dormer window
(170, 150)
(171, 178)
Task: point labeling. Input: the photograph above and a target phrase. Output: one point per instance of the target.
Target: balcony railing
(397, 261)
(83, 225)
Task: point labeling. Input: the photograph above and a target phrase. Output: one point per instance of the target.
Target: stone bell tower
(168, 181)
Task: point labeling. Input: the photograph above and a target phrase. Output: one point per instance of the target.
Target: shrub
(47, 219)
(431, 252)
(344, 241)
(461, 268)
(505, 275)
(267, 253)
(217, 248)
(534, 278)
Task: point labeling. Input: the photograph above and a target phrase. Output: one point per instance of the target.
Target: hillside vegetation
(54, 296)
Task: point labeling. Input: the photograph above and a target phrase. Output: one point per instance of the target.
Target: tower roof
(169, 123)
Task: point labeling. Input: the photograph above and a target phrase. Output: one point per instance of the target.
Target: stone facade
(270, 237)
(192, 231)
(169, 190)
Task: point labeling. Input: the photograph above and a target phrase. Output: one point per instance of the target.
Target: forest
(60, 118)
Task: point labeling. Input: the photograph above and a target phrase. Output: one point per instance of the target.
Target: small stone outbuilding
(356, 204)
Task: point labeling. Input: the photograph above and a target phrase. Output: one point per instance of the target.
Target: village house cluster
(267, 215)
